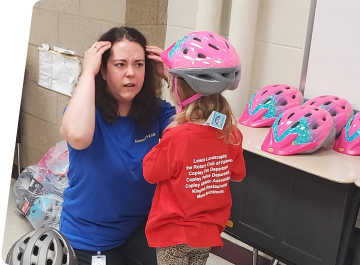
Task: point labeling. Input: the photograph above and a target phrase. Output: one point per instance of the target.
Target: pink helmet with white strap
(339, 108)
(206, 61)
(349, 140)
(300, 130)
(268, 103)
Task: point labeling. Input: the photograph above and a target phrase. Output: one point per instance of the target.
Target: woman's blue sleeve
(166, 114)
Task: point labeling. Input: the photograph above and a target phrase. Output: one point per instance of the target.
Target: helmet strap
(187, 101)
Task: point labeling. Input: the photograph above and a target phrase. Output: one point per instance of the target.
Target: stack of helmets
(302, 128)
(305, 129)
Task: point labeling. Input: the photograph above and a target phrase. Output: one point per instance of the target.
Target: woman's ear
(103, 71)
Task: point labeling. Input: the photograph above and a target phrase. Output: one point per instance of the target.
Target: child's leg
(174, 255)
(199, 256)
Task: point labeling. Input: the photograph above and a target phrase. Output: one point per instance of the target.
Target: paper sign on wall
(58, 72)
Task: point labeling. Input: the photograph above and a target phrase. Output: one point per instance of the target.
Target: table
(299, 209)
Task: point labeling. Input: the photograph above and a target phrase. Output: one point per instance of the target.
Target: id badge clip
(98, 259)
(216, 120)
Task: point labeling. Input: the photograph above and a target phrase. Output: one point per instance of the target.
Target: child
(195, 160)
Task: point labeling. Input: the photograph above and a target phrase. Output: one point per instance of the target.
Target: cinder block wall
(75, 25)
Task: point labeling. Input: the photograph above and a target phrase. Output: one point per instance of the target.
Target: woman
(113, 119)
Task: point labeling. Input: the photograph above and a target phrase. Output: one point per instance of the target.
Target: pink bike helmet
(268, 103)
(339, 108)
(302, 130)
(349, 140)
(206, 61)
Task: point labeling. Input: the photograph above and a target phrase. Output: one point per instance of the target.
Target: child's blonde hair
(202, 109)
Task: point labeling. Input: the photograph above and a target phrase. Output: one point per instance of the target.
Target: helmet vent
(334, 113)
(327, 103)
(315, 126)
(275, 85)
(287, 87)
(214, 46)
(212, 36)
(343, 107)
(49, 262)
(52, 246)
(205, 77)
(264, 92)
(283, 103)
(279, 92)
(26, 240)
(64, 259)
(316, 109)
(295, 124)
(226, 75)
(266, 101)
(201, 55)
(227, 44)
(293, 96)
(324, 119)
(312, 103)
(35, 250)
(19, 256)
(197, 39)
(292, 114)
(336, 98)
(185, 51)
(42, 237)
(308, 114)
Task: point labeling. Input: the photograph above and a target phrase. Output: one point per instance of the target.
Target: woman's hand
(160, 68)
(92, 58)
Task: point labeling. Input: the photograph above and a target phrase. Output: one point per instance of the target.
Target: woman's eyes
(139, 65)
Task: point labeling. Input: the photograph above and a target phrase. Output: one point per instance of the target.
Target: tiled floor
(16, 226)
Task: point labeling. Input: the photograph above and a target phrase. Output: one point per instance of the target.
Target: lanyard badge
(98, 259)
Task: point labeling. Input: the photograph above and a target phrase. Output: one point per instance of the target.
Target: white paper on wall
(334, 58)
(58, 72)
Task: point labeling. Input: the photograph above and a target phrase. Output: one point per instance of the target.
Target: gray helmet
(44, 246)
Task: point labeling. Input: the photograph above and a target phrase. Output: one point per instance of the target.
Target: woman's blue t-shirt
(108, 197)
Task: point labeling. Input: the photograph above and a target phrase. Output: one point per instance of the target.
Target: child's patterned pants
(182, 254)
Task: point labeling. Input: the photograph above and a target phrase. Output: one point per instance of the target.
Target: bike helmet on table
(339, 108)
(302, 130)
(268, 103)
(42, 247)
(349, 140)
(206, 61)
